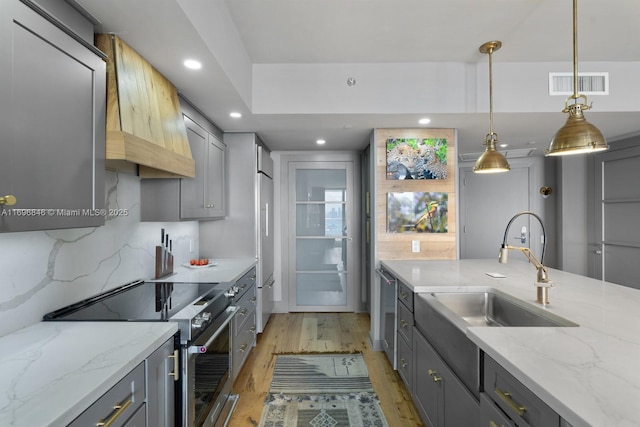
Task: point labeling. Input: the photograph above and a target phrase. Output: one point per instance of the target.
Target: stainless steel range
(203, 312)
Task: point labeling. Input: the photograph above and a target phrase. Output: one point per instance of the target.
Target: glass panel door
(321, 236)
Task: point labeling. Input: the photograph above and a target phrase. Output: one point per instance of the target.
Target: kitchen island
(590, 374)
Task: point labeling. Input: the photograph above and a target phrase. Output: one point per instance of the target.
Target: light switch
(415, 246)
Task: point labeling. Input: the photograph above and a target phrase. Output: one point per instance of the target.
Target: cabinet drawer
(405, 294)
(242, 343)
(405, 323)
(519, 403)
(246, 306)
(491, 415)
(118, 404)
(139, 419)
(245, 282)
(405, 363)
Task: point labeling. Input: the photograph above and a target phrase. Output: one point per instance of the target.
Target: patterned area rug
(321, 390)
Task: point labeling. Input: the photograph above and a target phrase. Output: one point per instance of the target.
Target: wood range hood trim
(145, 124)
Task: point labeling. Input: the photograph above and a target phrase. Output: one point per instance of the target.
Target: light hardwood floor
(319, 332)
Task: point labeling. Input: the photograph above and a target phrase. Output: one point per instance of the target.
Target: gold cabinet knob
(8, 200)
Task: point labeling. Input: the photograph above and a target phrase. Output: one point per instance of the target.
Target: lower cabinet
(441, 399)
(121, 403)
(244, 325)
(163, 370)
(512, 398)
(144, 397)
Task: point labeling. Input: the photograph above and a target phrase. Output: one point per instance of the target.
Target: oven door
(207, 373)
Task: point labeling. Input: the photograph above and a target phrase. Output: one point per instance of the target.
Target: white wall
(41, 271)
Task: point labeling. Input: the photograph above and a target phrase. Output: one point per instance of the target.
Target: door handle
(523, 235)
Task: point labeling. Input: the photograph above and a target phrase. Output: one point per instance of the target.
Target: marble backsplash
(42, 271)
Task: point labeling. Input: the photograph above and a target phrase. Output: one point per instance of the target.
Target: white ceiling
(237, 39)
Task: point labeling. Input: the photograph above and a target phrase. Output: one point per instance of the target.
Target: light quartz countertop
(221, 270)
(589, 374)
(52, 371)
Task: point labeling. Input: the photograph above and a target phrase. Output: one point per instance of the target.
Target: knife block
(164, 262)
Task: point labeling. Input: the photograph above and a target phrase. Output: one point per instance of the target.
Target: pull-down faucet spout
(542, 279)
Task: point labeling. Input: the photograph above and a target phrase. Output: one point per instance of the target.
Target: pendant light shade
(491, 161)
(577, 135)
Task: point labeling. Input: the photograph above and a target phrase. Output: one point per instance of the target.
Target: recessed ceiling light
(192, 64)
(424, 121)
(320, 141)
(235, 115)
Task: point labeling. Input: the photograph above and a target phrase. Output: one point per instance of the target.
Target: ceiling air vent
(588, 83)
(509, 154)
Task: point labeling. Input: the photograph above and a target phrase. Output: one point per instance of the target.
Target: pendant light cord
(575, 50)
(491, 92)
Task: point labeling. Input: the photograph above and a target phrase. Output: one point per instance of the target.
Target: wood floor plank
(319, 332)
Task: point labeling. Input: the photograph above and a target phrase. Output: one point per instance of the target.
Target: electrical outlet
(415, 246)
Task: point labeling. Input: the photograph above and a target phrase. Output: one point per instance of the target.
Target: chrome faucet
(542, 279)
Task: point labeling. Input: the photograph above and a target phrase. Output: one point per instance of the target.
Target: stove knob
(197, 322)
(206, 316)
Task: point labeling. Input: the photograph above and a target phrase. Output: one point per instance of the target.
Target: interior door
(487, 203)
(321, 271)
(615, 248)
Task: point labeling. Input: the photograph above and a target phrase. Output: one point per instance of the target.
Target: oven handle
(219, 324)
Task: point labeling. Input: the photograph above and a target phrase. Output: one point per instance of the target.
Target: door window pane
(315, 289)
(320, 254)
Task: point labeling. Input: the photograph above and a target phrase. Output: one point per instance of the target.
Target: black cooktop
(141, 301)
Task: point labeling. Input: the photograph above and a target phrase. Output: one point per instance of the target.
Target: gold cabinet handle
(176, 365)
(253, 300)
(243, 312)
(493, 424)
(243, 347)
(252, 330)
(403, 363)
(404, 323)
(403, 295)
(119, 410)
(508, 399)
(8, 200)
(434, 374)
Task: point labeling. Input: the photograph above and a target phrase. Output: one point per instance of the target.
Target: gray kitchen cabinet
(491, 415)
(199, 198)
(118, 405)
(521, 405)
(52, 123)
(162, 375)
(244, 323)
(404, 339)
(441, 398)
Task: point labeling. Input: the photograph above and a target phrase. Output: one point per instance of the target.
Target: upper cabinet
(199, 198)
(145, 130)
(52, 123)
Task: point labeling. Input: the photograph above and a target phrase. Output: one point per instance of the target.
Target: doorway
(324, 262)
(615, 246)
(487, 203)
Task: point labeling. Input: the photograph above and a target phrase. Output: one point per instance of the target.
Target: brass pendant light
(577, 135)
(491, 161)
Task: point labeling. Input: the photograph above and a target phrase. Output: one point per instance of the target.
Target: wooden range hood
(145, 125)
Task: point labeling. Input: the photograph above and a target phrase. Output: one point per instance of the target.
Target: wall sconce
(545, 191)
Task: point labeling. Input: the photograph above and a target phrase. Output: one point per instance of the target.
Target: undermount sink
(495, 308)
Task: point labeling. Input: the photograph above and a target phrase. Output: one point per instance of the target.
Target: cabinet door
(428, 381)
(192, 195)
(52, 118)
(439, 394)
(162, 367)
(215, 182)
